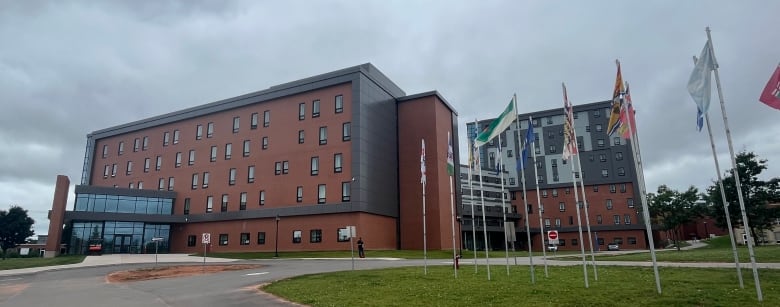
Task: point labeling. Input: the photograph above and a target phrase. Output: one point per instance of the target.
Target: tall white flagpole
(634, 138)
(539, 204)
(745, 223)
(484, 221)
(723, 198)
(574, 183)
(584, 201)
(471, 191)
(452, 210)
(503, 202)
(425, 234)
(521, 174)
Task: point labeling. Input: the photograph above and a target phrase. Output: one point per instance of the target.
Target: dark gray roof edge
(90, 189)
(429, 93)
(366, 69)
(554, 111)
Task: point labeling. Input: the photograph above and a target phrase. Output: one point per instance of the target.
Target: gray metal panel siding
(125, 217)
(86, 189)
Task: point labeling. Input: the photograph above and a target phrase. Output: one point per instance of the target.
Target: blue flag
(529, 139)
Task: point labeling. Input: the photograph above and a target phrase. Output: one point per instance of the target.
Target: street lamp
(276, 249)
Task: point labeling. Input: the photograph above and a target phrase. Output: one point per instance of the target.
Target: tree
(671, 209)
(757, 194)
(15, 228)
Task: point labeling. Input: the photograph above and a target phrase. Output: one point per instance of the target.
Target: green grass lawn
(617, 286)
(717, 250)
(21, 263)
(405, 254)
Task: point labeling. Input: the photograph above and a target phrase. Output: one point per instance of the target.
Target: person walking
(361, 251)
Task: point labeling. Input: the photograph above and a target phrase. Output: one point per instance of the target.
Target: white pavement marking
(255, 274)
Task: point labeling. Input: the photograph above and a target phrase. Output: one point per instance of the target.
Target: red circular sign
(553, 235)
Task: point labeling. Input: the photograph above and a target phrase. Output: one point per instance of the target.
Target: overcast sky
(68, 68)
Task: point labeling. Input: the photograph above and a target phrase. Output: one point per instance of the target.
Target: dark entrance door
(122, 243)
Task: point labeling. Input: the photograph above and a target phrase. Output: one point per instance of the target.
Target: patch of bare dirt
(174, 271)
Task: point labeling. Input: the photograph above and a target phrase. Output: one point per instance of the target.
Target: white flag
(422, 163)
(699, 83)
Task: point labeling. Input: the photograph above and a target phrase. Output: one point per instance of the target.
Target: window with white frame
(321, 194)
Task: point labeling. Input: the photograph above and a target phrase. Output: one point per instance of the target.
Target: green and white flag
(450, 160)
(498, 125)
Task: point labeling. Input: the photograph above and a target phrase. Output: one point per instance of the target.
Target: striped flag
(422, 163)
(499, 124)
(623, 130)
(450, 160)
(615, 120)
(569, 139)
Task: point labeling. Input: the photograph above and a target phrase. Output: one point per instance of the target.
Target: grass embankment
(717, 250)
(21, 263)
(617, 286)
(404, 254)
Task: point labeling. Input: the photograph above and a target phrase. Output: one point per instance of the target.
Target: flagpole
(425, 233)
(745, 222)
(471, 191)
(525, 203)
(634, 138)
(584, 201)
(579, 227)
(503, 202)
(723, 197)
(452, 206)
(566, 149)
(539, 205)
(484, 221)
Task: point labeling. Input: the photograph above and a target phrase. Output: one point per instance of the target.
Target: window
(549, 120)
(627, 219)
(175, 136)
(129, 169)
(121, 149)
(300, 136)
(544, 193)
(170, 183)
(323, 135)
(232, 177)
(250, 174)
(539, 164)
(562, 207)
(612, 188)
(228, 151)
(224, 206)
(187, 205)
(316, 235)
(622, 172)
(558, 222)
(205, 180)
(113, 170)
(130, 185)
(262, 198)
(302, 111)
(191, 160)
(265, 143)
(195, 181)
(299, 194)
(223, 239)
(178, 159)
(598, 128)
(315, 108)
(244, 238)
(261, 238)
(616, 219)
(599, 220)
(509, 153)
(321, 194)
(285, 167)
(253, 121)
(236, 124)
(210, 130)
(278, 168)
(603, 157)
(158, 165)
(213, 157)
(609, 204)
(622, 188)
(600, 142)
(587, 128)
(346, 134)
(553, 149)
(630, 202)
(604, 173)
(191, 239)
(345, 191)
(296, 236)
(198, 132)
(145, 144)
(266, 118)
(547, 223)
(337, 163)
(595, 188)
(342, 235)
(574, 242)
(315, 166)
(554, 162)
(618, 156)
(140, 185)
(339, 103)
(147, 161)
(631, 240)
(161, 184)
(105, 151)
(247, 145)
(555, 192)
(616, 140)
(136, 144)
(550, 135)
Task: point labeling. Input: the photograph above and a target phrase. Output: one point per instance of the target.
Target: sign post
(352, 233)
(206, 240)
(156, 241)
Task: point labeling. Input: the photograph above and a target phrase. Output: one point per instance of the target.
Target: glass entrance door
(122, 243)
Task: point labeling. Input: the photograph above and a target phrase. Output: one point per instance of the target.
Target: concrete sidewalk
(114, 259)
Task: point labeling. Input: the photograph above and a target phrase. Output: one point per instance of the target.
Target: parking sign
(206, 238)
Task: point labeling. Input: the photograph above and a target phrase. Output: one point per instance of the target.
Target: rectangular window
(223, 239)
(557, 222)
(562, 207)
(236, 124)
(244, 238)
(191, 160)
(178, 159)
(315, 108)
(210, 130)
(337, 163)
(603, 158)
(599, 220)
(261, 238)
(315, 166)
(278, 168)
(612, 188)
(302, 111)
(129, 170)
(627, 219)
(266, 118)
(616, 219)
(145, 144)
(316, 235)
(300, 136)
(618, 156)
(170, 183)
(604, 173)
(547, 223)
(195, 181)
(253, 122)
(131, 185)
(616, 140)
(140, 185)
(232, 177)
(600, 142)
(191, 239)
(224, 207)
(321, 194)
(161, 184)
(630, 202)
(175, 136)
(544, 193)
(346, 133)
(345, 191)
(105, 151)
(198, 132)
(246, 148)
(595, 188)
(242, 204)
(265, 143)
(296, 236)
(262, 198)
(339, 103)
(609, 204)
(147, 161)
(553, 149)
(299, 194)
(228, 151)
(555, 192)
(113, 170)
(621, 172)
(622, 188)
(285, 167)
(158, 164)
(213, 157)
(323, 135)
(136, 144)
(250, 174)
(205, 180)
(631, 240)
(574, 242)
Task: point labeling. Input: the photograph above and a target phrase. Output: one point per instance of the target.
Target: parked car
(613, 247)
(552, 248)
